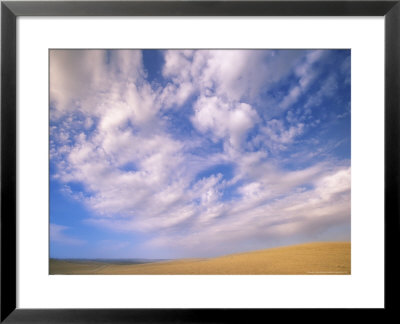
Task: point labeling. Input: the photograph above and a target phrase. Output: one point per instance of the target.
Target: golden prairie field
(311, 258)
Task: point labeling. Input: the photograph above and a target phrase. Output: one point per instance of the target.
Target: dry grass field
(312, 258)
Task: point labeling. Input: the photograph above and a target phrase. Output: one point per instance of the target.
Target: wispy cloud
(57, 235)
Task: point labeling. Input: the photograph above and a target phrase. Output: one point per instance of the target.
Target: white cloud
(306, 74)
(300, 214)
(223, 119)
(276, 136)
(57, 235)
(78, 78)
(229, 74)
(327, 90)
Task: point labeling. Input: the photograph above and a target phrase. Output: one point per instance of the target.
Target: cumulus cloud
(210, 182)
(229, 74)
(224, 120)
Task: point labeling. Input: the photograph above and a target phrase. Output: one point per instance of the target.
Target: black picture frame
(10, 10)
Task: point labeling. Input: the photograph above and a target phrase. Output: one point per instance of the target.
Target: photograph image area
(203, 162)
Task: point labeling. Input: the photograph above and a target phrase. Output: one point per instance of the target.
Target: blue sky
(197, 153)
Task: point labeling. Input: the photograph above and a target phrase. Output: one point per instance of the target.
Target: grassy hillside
(311, 258)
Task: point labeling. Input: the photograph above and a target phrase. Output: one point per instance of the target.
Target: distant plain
(311, 258)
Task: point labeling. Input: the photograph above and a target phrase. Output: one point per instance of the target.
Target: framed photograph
(191, 161)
